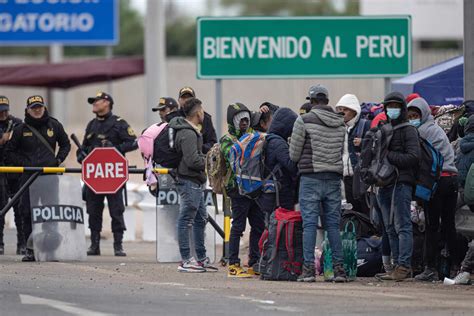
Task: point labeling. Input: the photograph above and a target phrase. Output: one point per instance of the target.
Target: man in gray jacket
(317, 145)
(190, 186)
(442, 205)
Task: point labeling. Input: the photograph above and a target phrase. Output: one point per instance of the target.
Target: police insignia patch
(130, 131)
(50, 132)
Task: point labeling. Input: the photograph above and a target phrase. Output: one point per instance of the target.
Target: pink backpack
(145, 144)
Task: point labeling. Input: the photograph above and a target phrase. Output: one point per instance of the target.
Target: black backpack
(164, 151)
(375, 169)
(281, 247)
(363, 225)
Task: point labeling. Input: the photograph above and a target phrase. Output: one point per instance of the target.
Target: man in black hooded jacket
(26, 149)
(395, 199)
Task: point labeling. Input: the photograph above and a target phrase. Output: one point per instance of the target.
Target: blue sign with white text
(68, 22)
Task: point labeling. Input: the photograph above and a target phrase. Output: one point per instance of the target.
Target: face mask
(416, 122)
(393, 114)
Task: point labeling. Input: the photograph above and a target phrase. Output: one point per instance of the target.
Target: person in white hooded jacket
(356, 127)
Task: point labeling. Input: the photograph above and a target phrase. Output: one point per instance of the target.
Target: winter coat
(277, 156)
(404, 149)
(351, 158)
(433, 133)
(465, 157)
(27, 150)
(317, 141)
(188, 142)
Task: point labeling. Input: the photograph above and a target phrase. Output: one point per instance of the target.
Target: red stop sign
(105, 170)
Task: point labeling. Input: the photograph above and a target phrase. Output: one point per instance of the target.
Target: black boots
(29, 256)
(20, 245)
(94, 249)
(118, 249)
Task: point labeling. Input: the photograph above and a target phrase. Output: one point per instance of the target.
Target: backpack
(374, 166)
(469, 187)
(369, 256)
(216, 169)
(362, 223)
(281, 247)
(359, 188)
(164, 151)
(429, 170)
(146, 145)
(247, 157)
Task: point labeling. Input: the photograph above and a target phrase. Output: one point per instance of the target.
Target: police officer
(33, 144)
(8, 182)
(106, 130)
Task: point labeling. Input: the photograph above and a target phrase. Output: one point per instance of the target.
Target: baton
(78, 143)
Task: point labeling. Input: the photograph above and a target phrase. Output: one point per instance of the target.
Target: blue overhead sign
(68, 22)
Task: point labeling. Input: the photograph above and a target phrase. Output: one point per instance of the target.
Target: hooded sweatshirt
(317, 143)
(277, 154)
(433, 133)
(350, 101)
(189, 143)
(227, 141)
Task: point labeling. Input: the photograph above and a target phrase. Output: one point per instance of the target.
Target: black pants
(440, 210)
(42, 196)
(359, 205)
(243, 208)
(8, 190)
(95, 209)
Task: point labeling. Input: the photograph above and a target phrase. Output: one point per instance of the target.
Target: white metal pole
(468, 50)
(57, 102)
(155, 57)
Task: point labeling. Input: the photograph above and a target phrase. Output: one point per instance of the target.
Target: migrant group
(291, 174)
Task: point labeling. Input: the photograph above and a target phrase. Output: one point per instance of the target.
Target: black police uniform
(107, 131)
(27, 150)
(9, 184)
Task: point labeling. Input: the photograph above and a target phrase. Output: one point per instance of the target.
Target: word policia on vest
(288, 47)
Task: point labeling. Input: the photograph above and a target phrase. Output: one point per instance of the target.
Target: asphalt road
(137, 285)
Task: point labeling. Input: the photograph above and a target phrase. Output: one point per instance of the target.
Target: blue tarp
(439, 84)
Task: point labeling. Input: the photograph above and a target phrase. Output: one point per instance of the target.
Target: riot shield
(167, 211)
(57, 218)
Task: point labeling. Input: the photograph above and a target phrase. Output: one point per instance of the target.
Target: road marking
(62, 306)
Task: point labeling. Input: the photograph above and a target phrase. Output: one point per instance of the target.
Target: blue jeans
(397, 222)
(316, 197)
(192, 214)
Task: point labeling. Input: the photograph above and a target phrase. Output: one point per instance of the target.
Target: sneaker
(339, 274)
(308, 274)
(428, 275)
(236, 271)
(206, 264)
(191, 266)
(388, 268)
(463, 278)
(401, 273)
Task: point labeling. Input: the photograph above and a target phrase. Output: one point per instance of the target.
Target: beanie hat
(411, 97)
(239, 116)
(350, 101)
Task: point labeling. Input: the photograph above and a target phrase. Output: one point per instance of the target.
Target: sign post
(105, 170)
(303, 47)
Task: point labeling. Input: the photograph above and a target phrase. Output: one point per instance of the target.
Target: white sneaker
(206, 264)
(463, 278)
(191, 266)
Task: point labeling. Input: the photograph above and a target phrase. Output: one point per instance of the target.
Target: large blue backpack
(429, 171)
(247, 160)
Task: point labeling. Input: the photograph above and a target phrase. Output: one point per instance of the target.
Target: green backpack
(469, 187)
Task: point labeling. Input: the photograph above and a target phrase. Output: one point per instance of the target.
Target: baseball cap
(164, 103)
(4, 103)
(35, 100)
(187, 90)
(100, 96)
(394, 97)
(315, 90)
